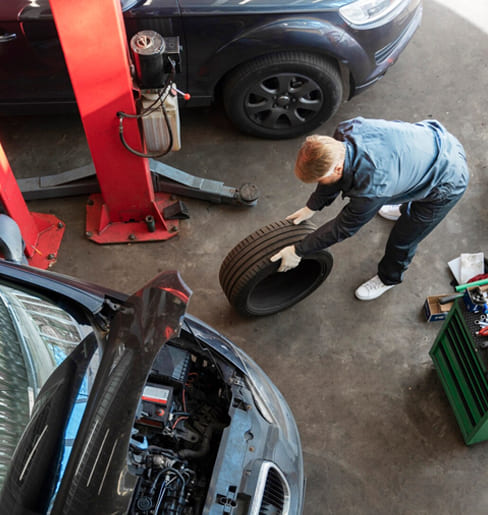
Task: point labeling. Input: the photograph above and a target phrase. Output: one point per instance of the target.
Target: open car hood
(47, 473)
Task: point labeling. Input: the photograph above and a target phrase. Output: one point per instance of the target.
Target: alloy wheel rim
(283, 101)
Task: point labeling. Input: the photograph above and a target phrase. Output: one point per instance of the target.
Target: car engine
(179, 423)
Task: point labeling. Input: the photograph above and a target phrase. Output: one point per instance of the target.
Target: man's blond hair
(317, 157)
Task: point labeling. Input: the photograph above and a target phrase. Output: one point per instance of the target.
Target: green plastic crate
(463, 374)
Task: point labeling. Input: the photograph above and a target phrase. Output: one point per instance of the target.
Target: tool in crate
(476, 300)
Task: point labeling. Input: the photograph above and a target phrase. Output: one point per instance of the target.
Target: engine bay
(179, 423)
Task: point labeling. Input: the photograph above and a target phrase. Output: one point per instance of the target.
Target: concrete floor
(378, 434)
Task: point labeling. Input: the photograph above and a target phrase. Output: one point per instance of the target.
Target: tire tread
(252, 255)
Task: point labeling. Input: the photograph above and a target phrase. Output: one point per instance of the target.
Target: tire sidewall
(241, 300)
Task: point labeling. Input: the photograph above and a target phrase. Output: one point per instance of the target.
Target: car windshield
(35, 337)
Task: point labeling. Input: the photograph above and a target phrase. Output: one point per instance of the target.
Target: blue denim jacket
(387, 162)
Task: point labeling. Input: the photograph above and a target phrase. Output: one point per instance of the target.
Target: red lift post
(94, 43)
(42, 234)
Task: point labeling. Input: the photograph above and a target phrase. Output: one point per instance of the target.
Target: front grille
(272, 492)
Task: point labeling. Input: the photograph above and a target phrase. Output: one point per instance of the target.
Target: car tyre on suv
(282, 95)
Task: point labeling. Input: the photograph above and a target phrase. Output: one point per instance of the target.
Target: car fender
(308, 35)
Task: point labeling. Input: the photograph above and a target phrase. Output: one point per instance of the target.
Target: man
(379, 164)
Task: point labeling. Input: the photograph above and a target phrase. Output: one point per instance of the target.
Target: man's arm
(355, 214)
(323, 195)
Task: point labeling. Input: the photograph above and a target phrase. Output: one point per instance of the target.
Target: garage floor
(378, 434)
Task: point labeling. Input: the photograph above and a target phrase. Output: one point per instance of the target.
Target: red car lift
(128, 209)
(96, 52)
(42, 234)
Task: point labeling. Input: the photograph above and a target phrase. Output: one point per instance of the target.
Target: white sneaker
(390, 211)
(372, 289)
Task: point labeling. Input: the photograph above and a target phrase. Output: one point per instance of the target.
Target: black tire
(251, 281)
(282, 95)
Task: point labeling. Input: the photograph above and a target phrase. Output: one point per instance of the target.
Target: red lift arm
(42, 234)
(95, 47)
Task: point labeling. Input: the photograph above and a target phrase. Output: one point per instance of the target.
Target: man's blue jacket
(387, 162)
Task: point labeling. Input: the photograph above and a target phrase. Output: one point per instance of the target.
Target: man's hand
(301, 215)
(289, 258)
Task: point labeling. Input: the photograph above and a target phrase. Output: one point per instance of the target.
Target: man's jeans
(417, 220)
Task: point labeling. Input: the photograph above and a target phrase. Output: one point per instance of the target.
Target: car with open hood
(111, 403)
(281, 68)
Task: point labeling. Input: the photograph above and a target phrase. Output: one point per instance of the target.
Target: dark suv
(281, 67)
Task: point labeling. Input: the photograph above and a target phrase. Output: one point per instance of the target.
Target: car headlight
(362, 12)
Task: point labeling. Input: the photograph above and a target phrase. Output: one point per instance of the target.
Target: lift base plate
(101, 230)
(51, 231)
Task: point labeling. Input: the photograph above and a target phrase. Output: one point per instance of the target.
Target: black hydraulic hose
(121, 115)
(133, 150)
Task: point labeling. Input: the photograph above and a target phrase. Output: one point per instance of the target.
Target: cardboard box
(434, 311)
